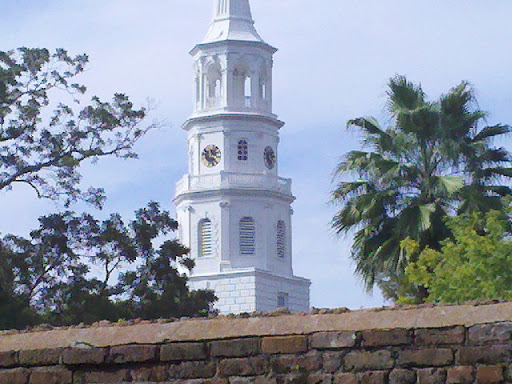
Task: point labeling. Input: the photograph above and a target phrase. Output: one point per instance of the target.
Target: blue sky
(334, 59)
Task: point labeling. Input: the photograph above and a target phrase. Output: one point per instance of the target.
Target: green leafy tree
(433, 159)
(78, 269)
(475, 265)
(43, 143)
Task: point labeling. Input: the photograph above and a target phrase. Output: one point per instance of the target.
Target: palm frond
(450, 184)
(492, 131)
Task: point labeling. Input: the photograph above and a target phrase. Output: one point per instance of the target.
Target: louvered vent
(281, 239)
(247, 233)
(205, 238)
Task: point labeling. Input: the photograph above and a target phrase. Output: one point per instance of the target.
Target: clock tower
(233, 209)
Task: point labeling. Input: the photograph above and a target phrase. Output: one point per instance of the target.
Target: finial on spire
(232, 20)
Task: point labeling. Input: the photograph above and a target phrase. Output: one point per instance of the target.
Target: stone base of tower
(252, 290)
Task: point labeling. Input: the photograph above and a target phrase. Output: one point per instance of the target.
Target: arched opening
(242, 86)
(214, 79)
(198, 89)
(205, 238)
(263, 90)
(243, 150)
(247, 236)
(263, 84)
(281, 239)
(247, 91)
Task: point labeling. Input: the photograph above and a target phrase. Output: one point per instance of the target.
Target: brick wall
(445, 345)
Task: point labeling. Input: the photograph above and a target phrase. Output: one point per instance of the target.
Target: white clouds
(334, 60)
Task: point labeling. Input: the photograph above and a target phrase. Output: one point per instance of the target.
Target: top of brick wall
(224, 327)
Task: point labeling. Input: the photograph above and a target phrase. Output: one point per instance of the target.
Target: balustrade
(233, 180)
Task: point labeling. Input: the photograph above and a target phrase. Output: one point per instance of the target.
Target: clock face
(270, 158)
(211, 156)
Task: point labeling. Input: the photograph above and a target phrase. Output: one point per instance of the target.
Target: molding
(233, 116)
(220, 193)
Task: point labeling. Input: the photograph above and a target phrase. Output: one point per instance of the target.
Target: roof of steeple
(232, 20)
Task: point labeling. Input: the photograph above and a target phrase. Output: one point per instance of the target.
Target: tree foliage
(43, 143)
(433, 159)
(78, 269)
(475, 265)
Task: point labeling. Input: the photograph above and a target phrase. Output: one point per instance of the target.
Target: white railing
(213, 102)
(226, 180)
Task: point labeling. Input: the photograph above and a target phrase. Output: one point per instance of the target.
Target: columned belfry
(233, 208)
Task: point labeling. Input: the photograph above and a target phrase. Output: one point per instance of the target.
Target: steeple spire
(232, 20)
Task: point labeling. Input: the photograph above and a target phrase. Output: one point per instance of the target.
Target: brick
(14, 376)
(402, 376)
(235, 347)
(293, 378)
(132, 354)
(155, 373)
(440, 336)
(251, 366)
(364, 360)
(431, 376)
(460, 375)
(492, 354)
(192, 370)
(84, 355)
(345, 378)
(215, 380)
(310, 362)
(480, 334)
(381, 338)
(428, 357)
(375, 377)
(319, 378)
(489, 374)
(51, 375)
(250, 380)
(183, 352)
(332, 361)
(103, 376)
(333, 340)
(285, 344)
(8, 359)
(39, 357)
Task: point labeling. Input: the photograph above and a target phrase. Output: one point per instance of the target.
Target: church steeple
(233, 208)
(232, 20)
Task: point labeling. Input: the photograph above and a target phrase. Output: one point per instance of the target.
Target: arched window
(281, 239)
(205, 238)
(243, 150)
(214, 78)
(247, 234)
(198, 89)
(242, 85)
(247, 91)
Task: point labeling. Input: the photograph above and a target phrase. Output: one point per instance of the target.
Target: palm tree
(430, 162)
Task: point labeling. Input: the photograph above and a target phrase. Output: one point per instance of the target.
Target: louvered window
(281, 239)
(243, 150)
(205, 238)
(247, 233)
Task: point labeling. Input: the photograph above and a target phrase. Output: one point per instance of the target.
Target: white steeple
(233, 208)
(232, 20)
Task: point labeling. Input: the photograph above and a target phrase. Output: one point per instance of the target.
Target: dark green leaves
(75, 268)
(44, 149)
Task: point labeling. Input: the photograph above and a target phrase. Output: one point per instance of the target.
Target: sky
(334, 60)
